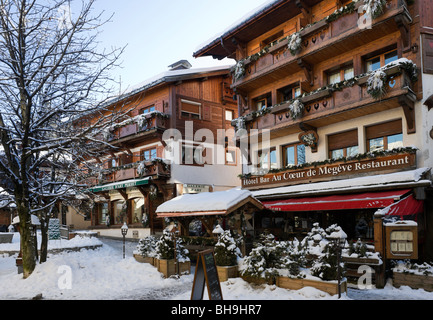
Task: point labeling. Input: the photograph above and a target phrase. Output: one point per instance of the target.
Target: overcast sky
(160, 32)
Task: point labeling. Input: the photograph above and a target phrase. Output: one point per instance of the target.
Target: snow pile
(76, 242)
(206, 201)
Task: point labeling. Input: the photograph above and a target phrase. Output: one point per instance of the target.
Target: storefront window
(120, 212)
(137, 210)
(103, 213)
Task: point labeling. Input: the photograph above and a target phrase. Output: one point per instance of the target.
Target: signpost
(206, 272)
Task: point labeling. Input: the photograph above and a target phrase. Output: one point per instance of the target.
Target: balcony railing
(139, 125)
(319, 41)
(339, 102)
(138, 170)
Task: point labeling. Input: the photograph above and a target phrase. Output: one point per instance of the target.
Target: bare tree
(51, 74)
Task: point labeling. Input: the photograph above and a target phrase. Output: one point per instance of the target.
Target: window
(190, 109)
(103, 213)
(293, 155)
(229, 114)
(148, 154)
(385, 136)
(267, 160)
(231, 156)
(148, 109)
(120, 211)
(192, 154)
(263, 102)
(288, 93)
(340, 74)
(137, 209)
(380, 60)
(343, 144)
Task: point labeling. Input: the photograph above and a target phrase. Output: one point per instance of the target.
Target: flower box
(415, 281)
(168, 267)
(258, 281)
(226, 272)
(330, 287)
(142, 259)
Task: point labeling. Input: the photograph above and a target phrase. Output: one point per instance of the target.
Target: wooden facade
(137, 176)
(303, 78)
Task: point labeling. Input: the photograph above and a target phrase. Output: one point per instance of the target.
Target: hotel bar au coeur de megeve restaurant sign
(333, 170)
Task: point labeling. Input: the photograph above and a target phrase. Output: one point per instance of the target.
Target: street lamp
(124, 230)
(338, 237)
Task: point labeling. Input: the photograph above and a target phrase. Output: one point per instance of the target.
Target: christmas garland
(373, 7)
(375, 88)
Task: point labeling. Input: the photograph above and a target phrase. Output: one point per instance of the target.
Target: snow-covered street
(103, 274)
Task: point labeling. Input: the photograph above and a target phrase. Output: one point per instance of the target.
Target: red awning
(405, 207)
(338, 202)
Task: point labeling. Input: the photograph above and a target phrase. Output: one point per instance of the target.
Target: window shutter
(343, 140)
(384, 129)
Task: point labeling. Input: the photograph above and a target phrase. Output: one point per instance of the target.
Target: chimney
(180, 65)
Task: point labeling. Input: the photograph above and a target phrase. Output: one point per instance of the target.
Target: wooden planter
(415, 281)
(142, 259)
(226, 272)
(296, 284)
(258, 281)
(168, 267)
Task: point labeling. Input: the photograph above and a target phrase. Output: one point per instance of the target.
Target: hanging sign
(206, 272)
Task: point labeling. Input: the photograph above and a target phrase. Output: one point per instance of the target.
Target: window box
(330, 287)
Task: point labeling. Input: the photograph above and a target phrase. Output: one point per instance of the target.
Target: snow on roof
(205, 201)
(391, 179)
(165, 77)
(239, 23)
(35, 220)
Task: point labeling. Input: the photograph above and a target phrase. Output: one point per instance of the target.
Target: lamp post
(338, 237)
(124, 230)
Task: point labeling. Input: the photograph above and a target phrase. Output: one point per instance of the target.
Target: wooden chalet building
(139, 176)
(343, 92)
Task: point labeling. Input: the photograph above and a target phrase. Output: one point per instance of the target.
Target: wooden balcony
(153, 169)
(330, 105)
(130, 133)
(319, 42)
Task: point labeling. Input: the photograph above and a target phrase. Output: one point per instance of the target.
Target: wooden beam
(403, 25)
(308, 71)
(409, 113)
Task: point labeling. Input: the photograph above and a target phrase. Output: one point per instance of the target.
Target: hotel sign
(337, 170)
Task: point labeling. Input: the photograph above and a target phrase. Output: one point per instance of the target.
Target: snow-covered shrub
(165, 248)
(406, 266)
(226, 250)
(325, 267)
(376, 84)
(316, 235)
(264, 259)
(147, 246)
(358, 248)
(295, 43)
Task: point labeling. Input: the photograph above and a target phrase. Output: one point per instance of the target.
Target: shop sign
(195, 188)
(332, 171)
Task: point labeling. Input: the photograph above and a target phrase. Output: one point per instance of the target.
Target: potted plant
(165, 251)
(261, 265)
(226, 256)
(146, 250)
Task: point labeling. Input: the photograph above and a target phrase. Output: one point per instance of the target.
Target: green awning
(121, 185)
